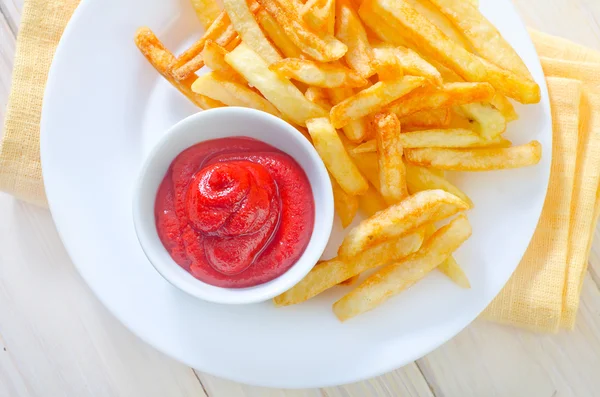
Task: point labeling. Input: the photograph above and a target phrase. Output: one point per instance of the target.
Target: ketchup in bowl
(235, 212)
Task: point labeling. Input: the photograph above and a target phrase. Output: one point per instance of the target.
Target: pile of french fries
(391, 93)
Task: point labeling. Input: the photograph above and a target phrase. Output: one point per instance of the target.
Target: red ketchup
(235, 212)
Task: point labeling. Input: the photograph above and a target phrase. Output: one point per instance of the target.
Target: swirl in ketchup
(235, 212)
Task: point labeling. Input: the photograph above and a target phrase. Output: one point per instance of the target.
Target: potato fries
(231, 93)
(412, 63)
(324, 48)
(356, 130)
(419, 179)
(318, 74)
(350, 31)
(372, 99)
(387, 64)
(411, 213)
(319, 96)
(392, 174)
(319, 15)
(214, 57)
(160, 58)
(346, 205)
(450, 138)
(276, 34)
(371, 202)
(329, 273)
(450, 94)
(477, 159)
(278, 90)
(452, 269)
(332, 151)
(482, 35)
(491, 122)
(425, 119)
(206, 11)
(395, 278)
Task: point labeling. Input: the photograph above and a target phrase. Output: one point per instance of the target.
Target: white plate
(104, 109)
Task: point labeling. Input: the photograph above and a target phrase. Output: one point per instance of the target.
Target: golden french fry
(350, 31)
(371, 202)
(419, 179)
(367, 163)
(386, 63)
(491, 122)
(413, 64)
(521, 89)
(427, 119)
(274, 32)
(448, 138)
(231, 93)
(477, 159)
(276, 89)
(450, 94)
(382, 30)
(409, 214)
(188, 63)
(502, 103)
(329, 146)
(352, 280)
(454, 272)
(392, 173)
(318, 74)
(482, 35)
(214, 57)
(356, 130)
(244, 23)
(206, 11)
(319, 15)
(400, 15)
(160, 58)
(330, 273)
(369, 146)
(319, 96)
(325, 48)
(346, 205)
(398, 276)
(372, 99)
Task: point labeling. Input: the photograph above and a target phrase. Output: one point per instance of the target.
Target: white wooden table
(57, 340)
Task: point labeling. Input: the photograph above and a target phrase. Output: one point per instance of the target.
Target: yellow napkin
(543, 294)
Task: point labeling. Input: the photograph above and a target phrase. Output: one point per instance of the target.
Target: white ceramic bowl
(221, 123)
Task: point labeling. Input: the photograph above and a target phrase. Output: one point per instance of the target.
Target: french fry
(188, 63)
(276, 89)
(426, 119)
(160, 58)
(450, 94)
(380, 28)
(514, 86)
(367, 163)
(244, 23)
(274, 32)
(319, 15)
(386, 63)
(448, 138)
(454, 272)
(318, 74)
(330, 273)
(477, 159)
(231, 93)
(356, 130)
(214, 57)
(206, 11)
(369, 146)
(482, 35)
(346, 205)
(350, 31)
(491, 122)
(324, 48)
(413, 64)
(319, 96)
(371, 202)
(392, 173)
(334, 155)
(419, 179)
(372, 99)
(411, 213)
(502, 103)
(399, 14)
(398, 276)
(352, 280)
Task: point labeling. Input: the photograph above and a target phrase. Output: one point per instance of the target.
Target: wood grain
(57, 340)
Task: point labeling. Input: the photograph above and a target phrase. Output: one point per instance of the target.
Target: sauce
(235, 212)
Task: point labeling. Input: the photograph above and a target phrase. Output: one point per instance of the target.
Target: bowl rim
(182, 279)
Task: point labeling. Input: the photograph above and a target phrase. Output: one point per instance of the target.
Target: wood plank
(489, 359)
(7, 51)
(60, 341)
